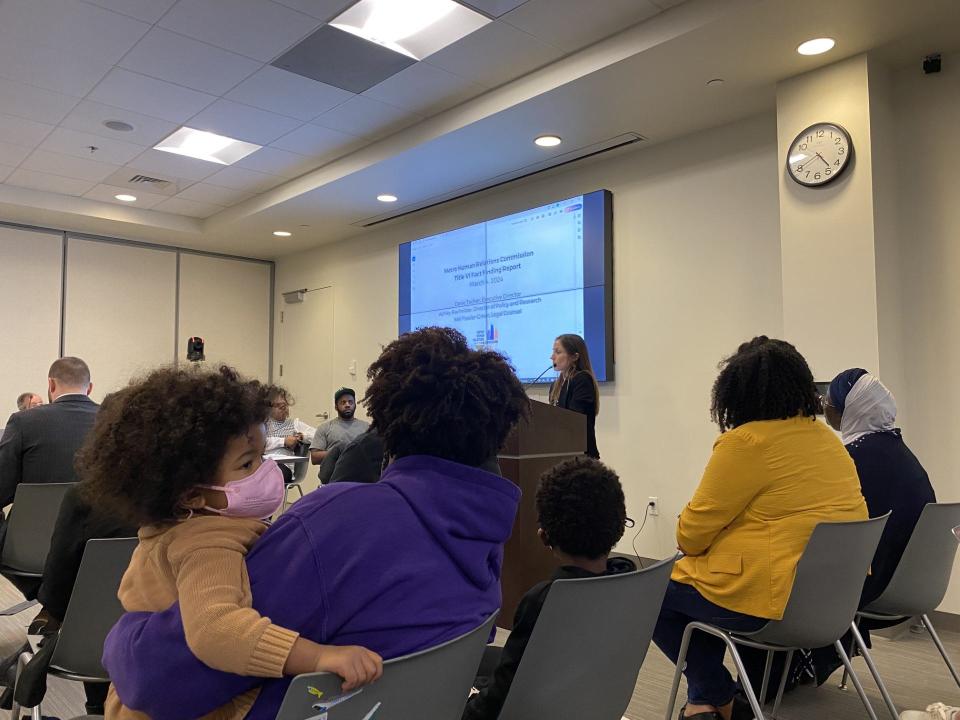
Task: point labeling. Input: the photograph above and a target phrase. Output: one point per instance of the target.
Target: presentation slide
(512, 284)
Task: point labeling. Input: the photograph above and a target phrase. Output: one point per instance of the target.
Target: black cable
(646, 514)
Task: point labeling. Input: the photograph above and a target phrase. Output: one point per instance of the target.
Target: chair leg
(856, 681)
(783, 682)
(943, 651)
(767, 669)
(15, 710)
(755, 706)
(300, 490)
(868, 658)
(681, 663)
(843, 680)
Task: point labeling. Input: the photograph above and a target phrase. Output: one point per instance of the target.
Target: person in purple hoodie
(396, 566)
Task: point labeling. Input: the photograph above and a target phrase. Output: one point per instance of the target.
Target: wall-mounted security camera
(931, 64)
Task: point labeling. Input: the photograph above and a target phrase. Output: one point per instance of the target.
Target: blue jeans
(708, 681)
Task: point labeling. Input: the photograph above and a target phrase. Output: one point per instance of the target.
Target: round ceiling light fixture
(282, 233)
(817, 46)
(118, 125)
(548, 140)
(387, 198)
(126, 198)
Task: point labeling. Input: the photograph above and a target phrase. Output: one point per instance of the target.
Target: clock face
(819, 154)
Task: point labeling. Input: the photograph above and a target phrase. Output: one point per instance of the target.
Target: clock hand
(824, 161)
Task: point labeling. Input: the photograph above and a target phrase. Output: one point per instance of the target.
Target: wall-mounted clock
(819, 154)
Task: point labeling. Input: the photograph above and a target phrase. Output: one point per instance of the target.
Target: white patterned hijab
(870, 408)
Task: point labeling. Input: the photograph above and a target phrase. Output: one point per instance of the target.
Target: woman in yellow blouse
(775, 473)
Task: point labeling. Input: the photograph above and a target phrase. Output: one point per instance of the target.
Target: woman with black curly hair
(179, 454)
(396, 566)
(775, 473)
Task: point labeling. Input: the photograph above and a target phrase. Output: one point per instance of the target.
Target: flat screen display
(516, 282)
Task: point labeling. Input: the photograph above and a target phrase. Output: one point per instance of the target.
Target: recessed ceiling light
(387, 198)
(816, 46)
(207, 146)
(548, 140)
(126, 198)
(415, 28)
(118, 125)
(715, 82)
(282, 233)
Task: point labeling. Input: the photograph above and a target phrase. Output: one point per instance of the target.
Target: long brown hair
(575, 345)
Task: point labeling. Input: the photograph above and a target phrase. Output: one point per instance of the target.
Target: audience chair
(433, 683)
(917, 586)
(29, 530)
(300, 468)
(837, 557)
(93, 609)
(586, 650)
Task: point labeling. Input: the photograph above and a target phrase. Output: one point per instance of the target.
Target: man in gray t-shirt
(341, 429)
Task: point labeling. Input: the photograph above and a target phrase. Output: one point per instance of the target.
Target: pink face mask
(257, 496)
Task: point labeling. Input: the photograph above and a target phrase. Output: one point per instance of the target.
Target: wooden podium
(550, 436)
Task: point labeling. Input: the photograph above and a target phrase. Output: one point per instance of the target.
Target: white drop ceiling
(460, 118)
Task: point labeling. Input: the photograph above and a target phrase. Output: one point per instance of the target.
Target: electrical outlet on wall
(654, 504)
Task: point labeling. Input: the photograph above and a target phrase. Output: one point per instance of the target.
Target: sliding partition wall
(124, 308)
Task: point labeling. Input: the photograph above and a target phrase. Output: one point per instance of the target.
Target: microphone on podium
(534, 382)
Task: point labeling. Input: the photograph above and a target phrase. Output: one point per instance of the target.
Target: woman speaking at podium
(576, 386)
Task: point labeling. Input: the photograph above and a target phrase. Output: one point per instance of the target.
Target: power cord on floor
(646, 514)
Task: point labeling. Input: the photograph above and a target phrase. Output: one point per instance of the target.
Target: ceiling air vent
(149, 181)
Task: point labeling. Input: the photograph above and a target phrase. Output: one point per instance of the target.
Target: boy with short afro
(582, 514)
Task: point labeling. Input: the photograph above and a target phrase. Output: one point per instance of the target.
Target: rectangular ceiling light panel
(415, 28)
(208, 146)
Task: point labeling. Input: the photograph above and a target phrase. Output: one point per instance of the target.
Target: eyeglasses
(279, 405)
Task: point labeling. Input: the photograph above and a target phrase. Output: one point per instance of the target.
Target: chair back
(433, 683)
(30, 527)
(300, 469)
(93, 609)
(827, 586)
(587, 647)
(923, 573)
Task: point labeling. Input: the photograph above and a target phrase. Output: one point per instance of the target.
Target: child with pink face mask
(179, 454)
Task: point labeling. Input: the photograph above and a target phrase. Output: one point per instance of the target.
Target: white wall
(120, 315)
(227, 303)
(927, 114)
(697, 271)
(30, 282)
(121, 308)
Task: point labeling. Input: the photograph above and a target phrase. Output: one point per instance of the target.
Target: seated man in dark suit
(38, 445)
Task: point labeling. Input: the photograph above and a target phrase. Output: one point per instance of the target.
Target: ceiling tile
(313, 140)
(170, 165)
(425, 89)
(89, 117)
(107, 193)
(560, 22)
(364, 117)
(5, 172)
(256, 28)
(277, 162)
(48, 183)
(243, 122)
(12, 155)
(325, 10)
(21, 131)
(181, 60)
(179, 206)
(62, 45)
(73, 142)
(495, 54)
(147, 10)
(139, 93)
(494, 8)
(342, 59)
(67, 166)
(35, 103)
(240, 178)
(214, 195)
(288, 93)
